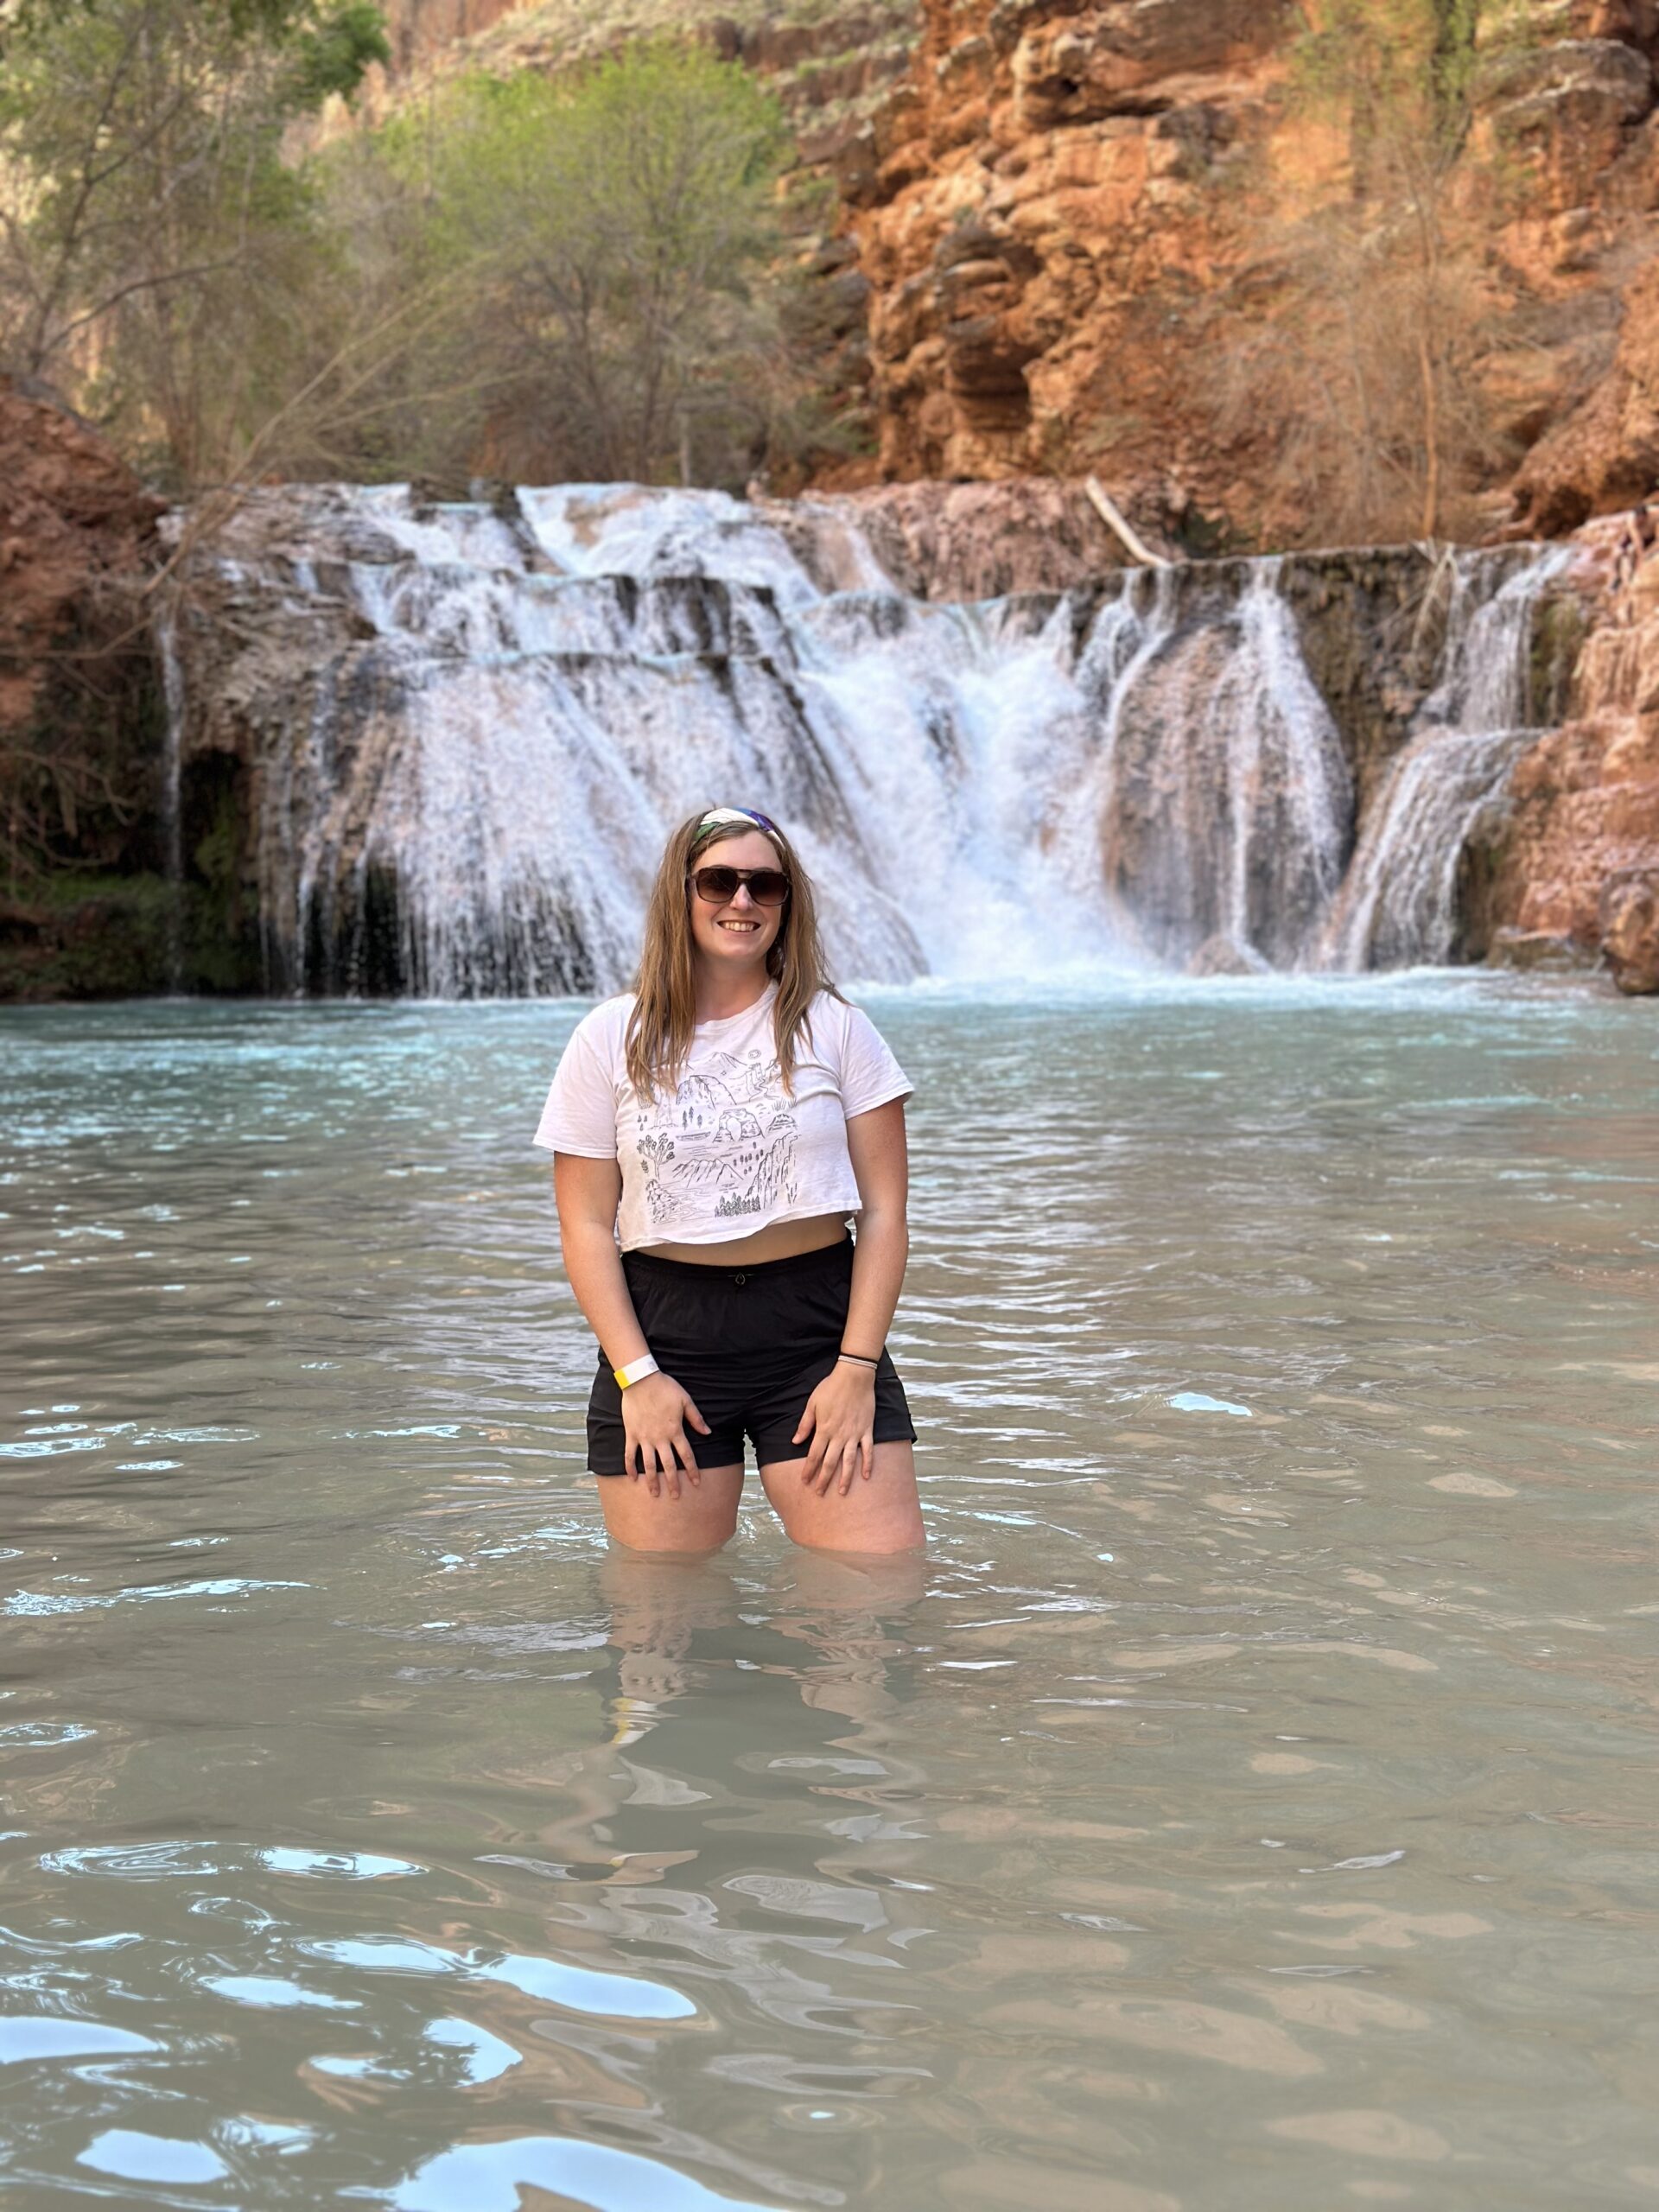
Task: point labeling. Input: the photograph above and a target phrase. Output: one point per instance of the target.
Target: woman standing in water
(720, 1122)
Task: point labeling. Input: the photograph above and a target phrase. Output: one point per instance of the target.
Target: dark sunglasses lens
(768, 887)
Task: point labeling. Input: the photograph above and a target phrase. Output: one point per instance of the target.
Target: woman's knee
(701, 1519)
(877, 1518)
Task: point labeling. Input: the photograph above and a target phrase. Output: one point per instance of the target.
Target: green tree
(623, 230)
(151, 236)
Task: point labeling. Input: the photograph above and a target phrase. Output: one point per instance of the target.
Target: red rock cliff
(76, 530)
(1070, 209)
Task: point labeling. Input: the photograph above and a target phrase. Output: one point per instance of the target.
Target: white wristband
(635, 1371)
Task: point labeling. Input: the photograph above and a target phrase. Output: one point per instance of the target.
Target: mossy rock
(1560, 624)
(88, 935)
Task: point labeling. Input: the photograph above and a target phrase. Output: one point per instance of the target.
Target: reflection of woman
(720, 1122)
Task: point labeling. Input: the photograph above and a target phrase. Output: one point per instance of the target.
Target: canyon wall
(1073, 216)
(1061, 229)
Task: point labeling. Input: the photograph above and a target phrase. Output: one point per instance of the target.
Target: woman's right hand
(654, 1413)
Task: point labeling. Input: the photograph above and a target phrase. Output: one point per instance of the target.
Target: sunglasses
(717, 886)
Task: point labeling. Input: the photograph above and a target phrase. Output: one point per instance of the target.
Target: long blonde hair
(665, 993)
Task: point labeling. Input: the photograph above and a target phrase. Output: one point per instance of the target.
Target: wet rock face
(1221, 956)
(1576, 858)
(1207, 837)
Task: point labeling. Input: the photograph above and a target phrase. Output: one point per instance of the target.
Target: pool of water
(1250, 1801)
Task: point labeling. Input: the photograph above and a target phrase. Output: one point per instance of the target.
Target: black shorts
(750, 1345)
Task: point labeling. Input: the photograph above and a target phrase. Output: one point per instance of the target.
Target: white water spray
(172, 792)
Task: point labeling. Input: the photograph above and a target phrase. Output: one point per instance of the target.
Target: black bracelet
(858, 1359)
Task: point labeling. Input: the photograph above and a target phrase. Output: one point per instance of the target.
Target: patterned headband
(717, 814)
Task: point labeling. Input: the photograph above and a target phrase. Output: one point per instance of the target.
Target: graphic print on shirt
(727, 1133)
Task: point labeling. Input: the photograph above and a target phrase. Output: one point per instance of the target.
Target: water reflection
(1252, 1790)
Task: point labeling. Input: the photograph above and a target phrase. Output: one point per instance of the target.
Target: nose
(740, 898)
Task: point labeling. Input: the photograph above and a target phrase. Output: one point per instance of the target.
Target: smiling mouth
(743, 928)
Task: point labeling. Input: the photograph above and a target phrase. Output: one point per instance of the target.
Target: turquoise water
(1250, 1802)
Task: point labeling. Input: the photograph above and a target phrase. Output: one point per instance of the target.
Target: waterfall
(1226, 803)
(1398, 904)
(171, 809)
(472, 725)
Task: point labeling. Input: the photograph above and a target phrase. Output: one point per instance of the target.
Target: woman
(720, 1122)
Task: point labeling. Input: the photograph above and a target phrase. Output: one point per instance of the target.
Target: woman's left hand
(840, 1416)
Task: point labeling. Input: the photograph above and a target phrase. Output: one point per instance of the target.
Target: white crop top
(731, 1150)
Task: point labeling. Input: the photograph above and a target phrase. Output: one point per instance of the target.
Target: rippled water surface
(1249, 1802)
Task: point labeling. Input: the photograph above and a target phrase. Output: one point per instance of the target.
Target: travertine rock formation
(1578, 862)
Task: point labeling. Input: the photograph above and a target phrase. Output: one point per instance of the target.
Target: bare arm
(840, 1415)
(654, 1411)
(586, 1192)
(875, 1142)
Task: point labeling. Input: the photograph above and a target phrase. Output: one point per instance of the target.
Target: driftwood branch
(1117, 523)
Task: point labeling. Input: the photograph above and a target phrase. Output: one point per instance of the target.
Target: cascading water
(1397, 906)
(171, 807)
(1225, 800)
(472, 726)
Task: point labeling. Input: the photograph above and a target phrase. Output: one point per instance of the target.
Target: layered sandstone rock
(1041, 217)
(1068, 216)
